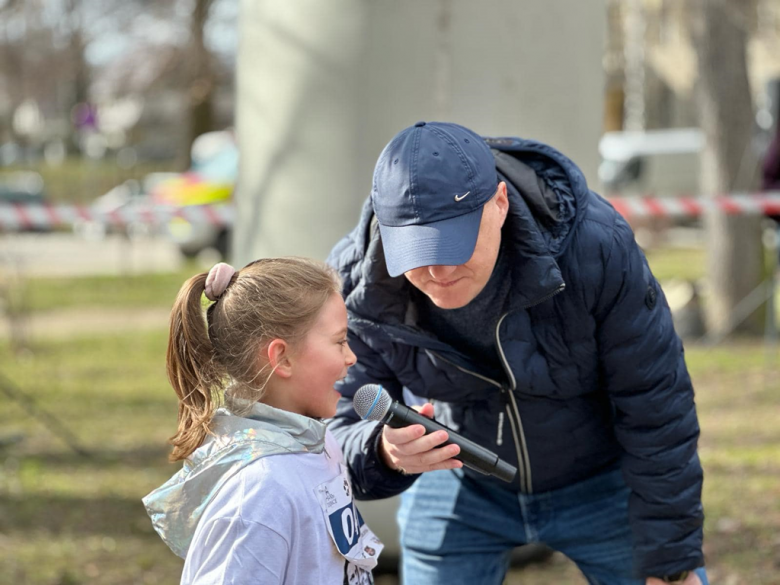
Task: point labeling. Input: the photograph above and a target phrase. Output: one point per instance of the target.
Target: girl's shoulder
(277, 490)
(265, 491)
(292, 474)
(285, 477)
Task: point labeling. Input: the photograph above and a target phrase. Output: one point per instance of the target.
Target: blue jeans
(457, 530)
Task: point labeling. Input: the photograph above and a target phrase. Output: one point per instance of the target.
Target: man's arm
(644, 371)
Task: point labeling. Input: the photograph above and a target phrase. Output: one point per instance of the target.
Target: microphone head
(371, 402)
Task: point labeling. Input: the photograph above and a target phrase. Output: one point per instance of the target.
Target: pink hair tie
(218, 280)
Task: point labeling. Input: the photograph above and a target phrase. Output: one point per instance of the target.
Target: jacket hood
(547, 198)
(177, 506)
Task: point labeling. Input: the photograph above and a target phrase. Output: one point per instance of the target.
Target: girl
(263, 496)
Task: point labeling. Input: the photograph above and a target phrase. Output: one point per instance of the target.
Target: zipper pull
(500, 428)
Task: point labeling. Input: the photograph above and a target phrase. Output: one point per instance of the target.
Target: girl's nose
(351, 357)
(441, 272)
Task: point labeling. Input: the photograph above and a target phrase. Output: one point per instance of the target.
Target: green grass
(131, 291)
(65, 519)
(738, 399)
(676, 263)
(70, 519)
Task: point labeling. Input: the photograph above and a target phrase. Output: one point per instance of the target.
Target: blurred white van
(659, 163)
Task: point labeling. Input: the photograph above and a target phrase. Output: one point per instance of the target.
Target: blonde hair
(273, 298)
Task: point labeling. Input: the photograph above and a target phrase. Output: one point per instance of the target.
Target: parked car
(23, 188)
(128, 195)
(210, 181)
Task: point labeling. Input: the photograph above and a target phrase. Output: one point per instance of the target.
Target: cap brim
(449, 242)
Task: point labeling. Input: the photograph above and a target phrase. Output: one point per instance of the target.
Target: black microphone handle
(472, 455)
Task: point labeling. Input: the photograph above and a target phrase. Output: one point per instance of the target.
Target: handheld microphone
(372, 402)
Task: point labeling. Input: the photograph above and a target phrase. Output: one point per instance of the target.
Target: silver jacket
(177, 506)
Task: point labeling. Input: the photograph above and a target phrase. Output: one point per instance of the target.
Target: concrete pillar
(322, 87)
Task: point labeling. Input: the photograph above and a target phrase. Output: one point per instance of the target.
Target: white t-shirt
(282, 520)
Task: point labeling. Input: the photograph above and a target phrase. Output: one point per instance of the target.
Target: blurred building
(322, 87)
(651, 67)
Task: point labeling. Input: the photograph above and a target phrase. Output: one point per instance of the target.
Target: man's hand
(692, 579)
(410, 450)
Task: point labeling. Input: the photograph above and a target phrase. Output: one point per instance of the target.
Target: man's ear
(279, 358)
(502, 200)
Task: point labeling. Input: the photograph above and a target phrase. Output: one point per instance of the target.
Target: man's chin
(455, 301)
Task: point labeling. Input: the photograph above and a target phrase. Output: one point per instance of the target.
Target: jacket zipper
(546, 297)
(521, 464)
(516, 424)
(510, 404)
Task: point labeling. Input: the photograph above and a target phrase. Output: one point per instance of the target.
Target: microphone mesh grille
(364, 399)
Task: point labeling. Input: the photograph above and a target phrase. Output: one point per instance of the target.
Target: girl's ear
(279, 358)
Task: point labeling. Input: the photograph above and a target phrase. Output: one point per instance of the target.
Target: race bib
(352, 537)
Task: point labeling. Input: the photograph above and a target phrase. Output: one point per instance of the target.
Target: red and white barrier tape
(16, 217)
(684, 207)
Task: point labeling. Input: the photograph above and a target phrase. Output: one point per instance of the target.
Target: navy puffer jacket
(594, 374)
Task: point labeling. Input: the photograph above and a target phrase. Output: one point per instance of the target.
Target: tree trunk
(203, 83)
(734, 249)
(634, 26)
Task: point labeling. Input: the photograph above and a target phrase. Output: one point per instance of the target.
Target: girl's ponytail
(191, 369)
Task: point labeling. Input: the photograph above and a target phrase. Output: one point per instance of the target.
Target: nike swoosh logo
(462, 197)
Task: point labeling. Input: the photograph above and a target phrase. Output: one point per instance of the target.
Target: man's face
(452, 287)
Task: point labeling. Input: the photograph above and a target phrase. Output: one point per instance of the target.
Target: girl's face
(321, 359)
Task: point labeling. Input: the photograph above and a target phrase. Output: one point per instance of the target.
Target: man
(484, 276)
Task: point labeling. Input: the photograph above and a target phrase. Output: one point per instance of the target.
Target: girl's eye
(343, 342)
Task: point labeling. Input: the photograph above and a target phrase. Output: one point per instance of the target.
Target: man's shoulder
(600, 212)
(600, 228)
(349, 253)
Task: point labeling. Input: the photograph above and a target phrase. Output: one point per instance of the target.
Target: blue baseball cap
(430, 185)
